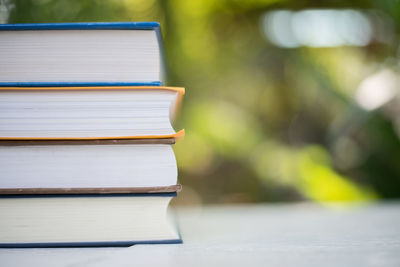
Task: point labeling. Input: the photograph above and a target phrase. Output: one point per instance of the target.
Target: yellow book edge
(178, 135)
(180, 90)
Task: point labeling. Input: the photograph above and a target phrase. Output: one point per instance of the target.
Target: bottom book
(86, 220)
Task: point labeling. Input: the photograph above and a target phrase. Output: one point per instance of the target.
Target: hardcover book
(91, 113)
(61, 168)
(86, 220)
(81, 54)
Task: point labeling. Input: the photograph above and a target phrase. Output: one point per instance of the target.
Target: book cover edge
(179, 90)
(78, 84)
(90, 244)
(149, 141)
(94, 190)
(65, 195)
(176, 136)
(148, 25)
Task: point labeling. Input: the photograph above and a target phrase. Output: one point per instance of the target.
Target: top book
(81, 54)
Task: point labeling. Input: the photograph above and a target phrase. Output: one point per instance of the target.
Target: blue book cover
(85, 26)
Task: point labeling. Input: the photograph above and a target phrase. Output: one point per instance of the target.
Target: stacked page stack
(85, 136)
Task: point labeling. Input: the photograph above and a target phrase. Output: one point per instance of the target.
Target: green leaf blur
(263, 123)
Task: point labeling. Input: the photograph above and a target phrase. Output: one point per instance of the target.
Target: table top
(260, 235)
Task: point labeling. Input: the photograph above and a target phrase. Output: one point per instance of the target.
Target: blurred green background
(285, 100)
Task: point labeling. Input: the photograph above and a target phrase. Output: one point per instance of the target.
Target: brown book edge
(78, 191)
(168, 141)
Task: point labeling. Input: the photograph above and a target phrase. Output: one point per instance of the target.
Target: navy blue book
(86, 220)
(81, 54)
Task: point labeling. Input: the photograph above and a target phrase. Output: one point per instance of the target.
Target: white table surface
(254, 235)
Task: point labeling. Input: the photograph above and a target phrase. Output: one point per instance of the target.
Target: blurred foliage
(263, 123)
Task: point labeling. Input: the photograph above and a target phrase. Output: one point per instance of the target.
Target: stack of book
(86, 138)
